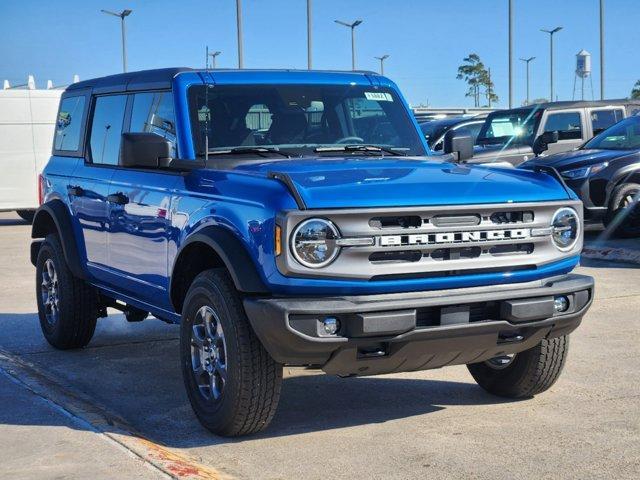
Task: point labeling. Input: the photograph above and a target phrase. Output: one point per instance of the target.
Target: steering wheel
(349, 140)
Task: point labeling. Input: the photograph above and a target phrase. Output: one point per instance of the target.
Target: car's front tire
(232, 383)
(623, 216)
(524, 374)
(67, 306)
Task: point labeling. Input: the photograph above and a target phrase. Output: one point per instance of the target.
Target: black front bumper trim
(471, 325)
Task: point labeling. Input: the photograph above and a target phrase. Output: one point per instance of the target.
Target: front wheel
(624, 213)
(232, 383)
(524, 374)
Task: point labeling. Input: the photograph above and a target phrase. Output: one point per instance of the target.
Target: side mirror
(541, 144)
(143, 150)
(459, 143)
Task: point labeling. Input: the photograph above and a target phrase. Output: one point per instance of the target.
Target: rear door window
(153, 112)
(69, 124)
(603, 119)
(106, 129)
(567, 124)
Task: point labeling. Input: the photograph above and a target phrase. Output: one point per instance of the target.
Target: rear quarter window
(69, 124)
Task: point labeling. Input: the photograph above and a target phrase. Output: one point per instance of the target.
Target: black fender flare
(233, 254)
(55, 211)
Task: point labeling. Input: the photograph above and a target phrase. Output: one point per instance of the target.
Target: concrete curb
(610, 254)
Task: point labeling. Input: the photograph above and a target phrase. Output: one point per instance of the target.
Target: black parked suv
(513, 136)
(605, 173)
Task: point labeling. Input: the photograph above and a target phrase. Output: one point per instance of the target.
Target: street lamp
(213, 56)
(352, 26)
(527, 61)
(551, 32)
(601, 50)
(510, 53)
(382, 59)
(309, 60)
(239, 28)
(122, 15)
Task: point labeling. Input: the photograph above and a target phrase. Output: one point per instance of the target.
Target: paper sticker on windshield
(378, 96)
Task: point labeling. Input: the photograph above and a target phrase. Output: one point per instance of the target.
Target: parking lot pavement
(414, 425)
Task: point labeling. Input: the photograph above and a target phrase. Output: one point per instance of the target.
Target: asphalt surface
(434, 424)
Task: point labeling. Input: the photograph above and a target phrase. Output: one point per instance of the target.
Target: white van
(27, 121)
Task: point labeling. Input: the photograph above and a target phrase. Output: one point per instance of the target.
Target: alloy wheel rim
(49, 292)
(501, 361)
(208, 354)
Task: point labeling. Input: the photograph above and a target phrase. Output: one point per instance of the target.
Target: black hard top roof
(158, 78)
(576, 104)
(161, 78)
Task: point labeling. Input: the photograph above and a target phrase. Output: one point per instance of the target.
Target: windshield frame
(589, 145)
(417, 146)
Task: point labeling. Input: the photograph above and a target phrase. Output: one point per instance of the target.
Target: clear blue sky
(426, 39)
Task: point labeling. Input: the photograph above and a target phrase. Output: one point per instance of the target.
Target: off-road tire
(629, 225)
(250, 395)
(77, 301)
(26, 215)
(529, 373)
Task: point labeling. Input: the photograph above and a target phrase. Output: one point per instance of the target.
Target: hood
(393, 182)
(577, 158)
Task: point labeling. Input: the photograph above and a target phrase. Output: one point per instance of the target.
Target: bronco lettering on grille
(453, 237)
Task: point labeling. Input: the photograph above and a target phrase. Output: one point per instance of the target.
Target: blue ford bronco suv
(296, 218)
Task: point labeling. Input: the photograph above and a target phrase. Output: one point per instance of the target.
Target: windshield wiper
(358, 147)
(260, 151)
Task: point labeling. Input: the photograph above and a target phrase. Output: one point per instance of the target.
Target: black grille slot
(403, 221)
(456, 253)
(502, 218)
(519, 249)
(401, 256)
(453, 273)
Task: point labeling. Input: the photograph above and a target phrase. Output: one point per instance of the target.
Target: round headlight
(565, 228)
(313, 243)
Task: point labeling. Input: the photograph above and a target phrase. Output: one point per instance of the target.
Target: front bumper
(417, 330)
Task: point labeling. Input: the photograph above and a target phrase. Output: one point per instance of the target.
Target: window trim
(583, 126)
(79, 152)
(608, 107)
(88, 160)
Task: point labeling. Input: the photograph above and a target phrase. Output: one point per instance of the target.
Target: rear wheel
(26, 215)
(624, 214)
(67, 306)
(524, 374)
(232, 382)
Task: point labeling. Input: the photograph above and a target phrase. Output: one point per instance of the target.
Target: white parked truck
(27, 121)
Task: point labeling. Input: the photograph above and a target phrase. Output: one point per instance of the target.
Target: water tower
(583, 71)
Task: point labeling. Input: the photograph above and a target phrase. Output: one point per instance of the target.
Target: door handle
(118, 198)
(75, 191)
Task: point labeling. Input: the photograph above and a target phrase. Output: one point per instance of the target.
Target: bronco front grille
(434, 241)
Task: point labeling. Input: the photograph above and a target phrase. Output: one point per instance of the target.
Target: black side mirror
(459, 143)
(143, 150)
(541, 144)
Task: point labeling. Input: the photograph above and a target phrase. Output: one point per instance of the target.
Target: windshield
(299, 119)
(510, 126)
(624, 135)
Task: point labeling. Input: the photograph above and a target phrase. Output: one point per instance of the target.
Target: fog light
(331, 325)
(561, 304)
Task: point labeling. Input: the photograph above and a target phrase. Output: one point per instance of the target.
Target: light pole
(527, 61)
(213, 56)
(510, 53)
(239, 28)
(122, 15)
(601, 49)
(382, 59)
(309, 59)
(352, 26)
(551, 32)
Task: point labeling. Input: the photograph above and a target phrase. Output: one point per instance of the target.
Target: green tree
(635, 92)
(478, 78)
